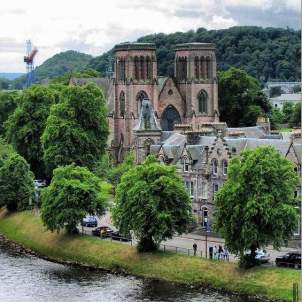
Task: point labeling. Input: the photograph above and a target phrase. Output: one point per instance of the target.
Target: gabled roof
(256, 131)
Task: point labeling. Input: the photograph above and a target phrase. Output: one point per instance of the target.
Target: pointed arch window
(224, 167)
(136, 68)
(148, 68)
(197, 68)
(142, 68)
(122, 104)
(139, 99)
(202, 102)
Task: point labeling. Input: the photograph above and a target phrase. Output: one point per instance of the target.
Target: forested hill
(266, 53)
(58, 65)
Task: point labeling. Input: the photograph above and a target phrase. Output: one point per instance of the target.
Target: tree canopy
(151, 201)
(241, 100)
(26, 125)
(76, 129)
(265, 53)
(16, 182)
(73, 192)
(256, 204)
(8, 103)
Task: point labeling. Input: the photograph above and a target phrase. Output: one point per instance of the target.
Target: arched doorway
(169, 118)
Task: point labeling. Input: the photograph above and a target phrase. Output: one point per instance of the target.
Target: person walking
(215, 252)
(194, 248)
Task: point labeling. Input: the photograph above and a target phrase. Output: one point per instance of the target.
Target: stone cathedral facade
(191, 96)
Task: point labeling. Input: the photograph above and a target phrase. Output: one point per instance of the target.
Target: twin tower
(190, 97)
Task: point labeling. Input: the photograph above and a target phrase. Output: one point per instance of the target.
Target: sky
(95, 26)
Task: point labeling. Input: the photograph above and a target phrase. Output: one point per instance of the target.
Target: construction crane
(29, 61)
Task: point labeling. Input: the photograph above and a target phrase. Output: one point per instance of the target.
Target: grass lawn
(27, 229)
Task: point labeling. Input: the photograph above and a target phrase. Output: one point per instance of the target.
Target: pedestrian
(194, 248)
(226, 254)
(215, 252)
(220, 252)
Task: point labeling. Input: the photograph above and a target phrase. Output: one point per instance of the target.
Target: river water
(26, 278)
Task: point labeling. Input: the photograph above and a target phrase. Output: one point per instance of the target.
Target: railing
(177, 249)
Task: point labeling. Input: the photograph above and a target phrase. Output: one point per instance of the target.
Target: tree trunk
(146, 244)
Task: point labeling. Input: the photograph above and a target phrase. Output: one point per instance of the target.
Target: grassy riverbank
(28, 230)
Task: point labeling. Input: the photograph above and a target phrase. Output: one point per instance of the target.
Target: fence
(177, 249)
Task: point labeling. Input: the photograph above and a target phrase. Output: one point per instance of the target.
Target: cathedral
(191, 96)
(177, 119)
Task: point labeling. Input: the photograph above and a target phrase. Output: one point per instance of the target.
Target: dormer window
(214, 166)
(186, 166)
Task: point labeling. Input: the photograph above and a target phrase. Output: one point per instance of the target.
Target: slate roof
(256, 131)
(161, 82)
(287, 97)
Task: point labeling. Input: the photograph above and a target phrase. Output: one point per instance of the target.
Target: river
(26, 278)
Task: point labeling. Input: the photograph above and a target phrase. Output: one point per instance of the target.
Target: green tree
(256, 205)
(76, 130)
(16, 182)
(288, 111)
(276, 117)
(8, 103)
(151, 200)
(103, 166)
(295, 120)
(73, 192)
(240, 98)
(116, 173)
(26, 125)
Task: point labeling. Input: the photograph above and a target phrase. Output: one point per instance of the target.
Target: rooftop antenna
(29, 61)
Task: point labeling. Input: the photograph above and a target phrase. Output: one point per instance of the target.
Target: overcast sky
(94, 26)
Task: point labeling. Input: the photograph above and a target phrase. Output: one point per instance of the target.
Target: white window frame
(214, 166)
(224, 167)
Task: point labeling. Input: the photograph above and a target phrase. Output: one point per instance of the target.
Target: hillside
(266, 53)
(10, 75)
(58, 65)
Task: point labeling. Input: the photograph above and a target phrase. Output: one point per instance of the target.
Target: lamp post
(206, 229)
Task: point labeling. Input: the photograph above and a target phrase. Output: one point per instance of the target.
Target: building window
(136, 68)
(214, 166)
(224, 167)
(215, 188)
(208, 69)
(204, 213)
(148, 68)
(142, 68)
(140, 96)
(197, 68)
(122, 103)
(202, 102)
(186, 166)
(204, 190)
(190, 187)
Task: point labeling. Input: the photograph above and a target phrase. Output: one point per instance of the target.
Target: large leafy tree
(256, 204)
(151, 201)
(76, 130)
(16, 181)
(26, 125)
(8, 103)
(295, 120)
(241, 100)
(73, 192)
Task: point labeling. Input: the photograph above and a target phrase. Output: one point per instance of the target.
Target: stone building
(190, 96)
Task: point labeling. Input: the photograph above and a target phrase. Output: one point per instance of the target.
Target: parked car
(39, 183)
(119, 237)
(291, 259)
(104, 230)
(261, 255)
(89, 221)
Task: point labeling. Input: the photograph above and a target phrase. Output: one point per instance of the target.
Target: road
(184, 243)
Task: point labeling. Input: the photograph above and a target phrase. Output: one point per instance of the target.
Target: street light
(206, 229)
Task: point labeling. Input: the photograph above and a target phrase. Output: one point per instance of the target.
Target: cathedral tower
(135, 79)
(195, 74)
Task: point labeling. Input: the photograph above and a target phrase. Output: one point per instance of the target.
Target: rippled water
(26, 278)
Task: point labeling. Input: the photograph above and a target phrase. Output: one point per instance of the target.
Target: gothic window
(148, 68)
(190, 187)
(197, 68)
(142, 68)
(169, 118)
(122, 103)
(214, 166)
(136, 68)
(224, 167)
(202, 102)
(204, 190)
(202, 67)
(139, 99)
(208, 69)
